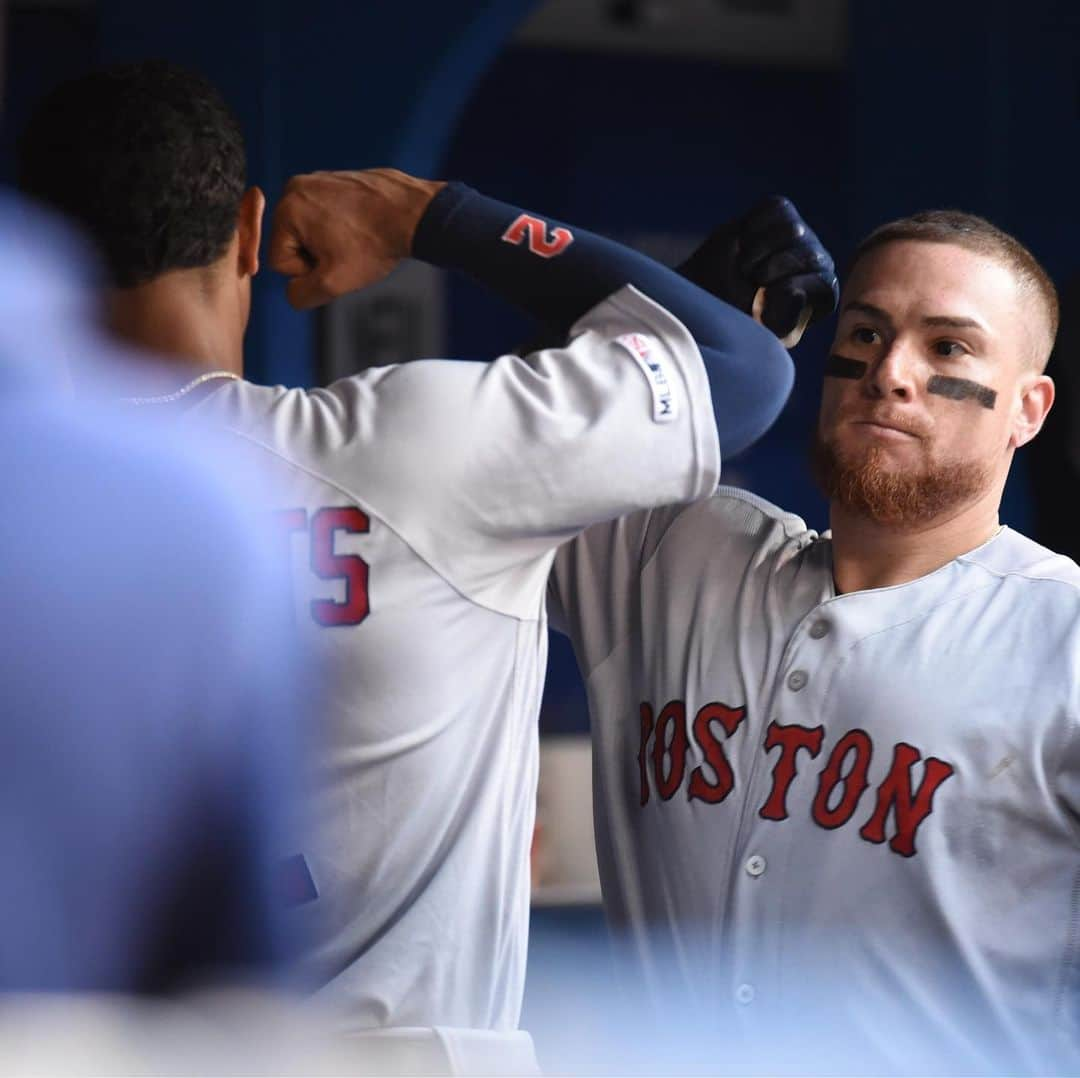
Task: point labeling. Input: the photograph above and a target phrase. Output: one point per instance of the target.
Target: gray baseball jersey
(855, 814)
(424, 505)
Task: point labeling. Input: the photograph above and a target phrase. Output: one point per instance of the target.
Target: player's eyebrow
(868, 308)
(954, 322)
(948, 321)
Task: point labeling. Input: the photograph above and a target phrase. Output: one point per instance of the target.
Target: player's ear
(249, 228)
(1037, 395)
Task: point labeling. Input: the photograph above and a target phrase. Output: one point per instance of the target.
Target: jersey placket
(797, 698)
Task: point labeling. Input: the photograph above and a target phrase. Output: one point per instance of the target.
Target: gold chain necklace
(165, 398)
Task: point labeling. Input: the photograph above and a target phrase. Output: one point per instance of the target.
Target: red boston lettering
(895, 794)
(790, 739)
(855, 782)
(673, 715)
(729, 718)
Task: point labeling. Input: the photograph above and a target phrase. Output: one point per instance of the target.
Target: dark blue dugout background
(970, 103)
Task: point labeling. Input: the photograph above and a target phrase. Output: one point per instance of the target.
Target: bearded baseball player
(421, 505)
(838, 775)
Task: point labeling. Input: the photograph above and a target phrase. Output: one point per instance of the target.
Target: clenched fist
(770, 264)
(336, 232)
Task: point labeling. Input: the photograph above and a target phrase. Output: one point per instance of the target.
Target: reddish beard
(861, 484)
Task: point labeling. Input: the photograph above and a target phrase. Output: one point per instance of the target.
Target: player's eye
(949, 349)
(865, 335)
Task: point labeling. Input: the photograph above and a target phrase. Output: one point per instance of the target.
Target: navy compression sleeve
(556, 279)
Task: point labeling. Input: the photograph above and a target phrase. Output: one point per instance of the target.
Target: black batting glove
(770, 248)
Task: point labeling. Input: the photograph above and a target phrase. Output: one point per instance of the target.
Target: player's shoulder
(369, 435)
(1013, 556)
(753, 514)
(348, 403)
(242, 401)
(735, 512)
(731, 523)
(299, 422)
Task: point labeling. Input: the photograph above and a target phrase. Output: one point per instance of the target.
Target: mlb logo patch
(647, 354)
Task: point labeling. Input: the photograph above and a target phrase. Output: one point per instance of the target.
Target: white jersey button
(819, 629)
(755, 865)
(797, 680)
(744, 994)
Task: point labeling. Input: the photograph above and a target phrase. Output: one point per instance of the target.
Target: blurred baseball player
(424, 503)
(143, 801)
(838, 774)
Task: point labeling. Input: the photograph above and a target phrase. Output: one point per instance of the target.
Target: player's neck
(181, 317)
(867, 554)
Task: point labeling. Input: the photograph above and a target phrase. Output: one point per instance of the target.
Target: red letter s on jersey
(330, 566)
(327, 564)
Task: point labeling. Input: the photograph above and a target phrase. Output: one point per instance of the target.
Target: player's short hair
(981, 236)
(148, 158)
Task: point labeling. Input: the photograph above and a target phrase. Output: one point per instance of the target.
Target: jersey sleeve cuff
(442, 218)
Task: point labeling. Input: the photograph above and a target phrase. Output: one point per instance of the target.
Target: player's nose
(894, 375)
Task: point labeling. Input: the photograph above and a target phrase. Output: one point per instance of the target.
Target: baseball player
(838, 774)
(422, 504)
(142, 799)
